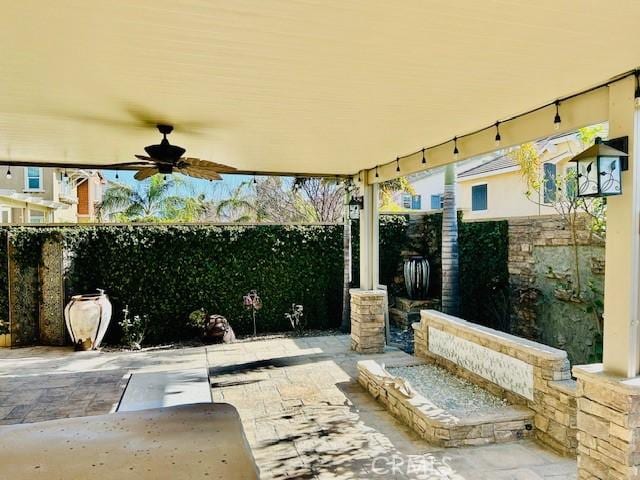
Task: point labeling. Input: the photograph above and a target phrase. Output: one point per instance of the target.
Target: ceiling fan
(166, 159)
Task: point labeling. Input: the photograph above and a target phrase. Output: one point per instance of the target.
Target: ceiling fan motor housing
(165, 169)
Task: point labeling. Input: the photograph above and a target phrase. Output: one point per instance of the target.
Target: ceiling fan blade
(200, 173)
(145, 173)
(86, 166)
(198, 162)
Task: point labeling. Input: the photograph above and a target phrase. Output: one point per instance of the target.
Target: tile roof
(499, 163)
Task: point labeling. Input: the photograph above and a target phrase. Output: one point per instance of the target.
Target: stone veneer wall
(367, 320)
(52, 326)
(608, 424)
(490, 359)
(527, 234)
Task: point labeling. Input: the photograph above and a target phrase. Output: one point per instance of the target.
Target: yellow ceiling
(324, 86)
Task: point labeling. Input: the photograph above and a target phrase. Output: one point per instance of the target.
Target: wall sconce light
(599, 169)
(355, 204)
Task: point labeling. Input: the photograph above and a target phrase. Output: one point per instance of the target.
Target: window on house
(479, 197)
(571, 182)
(406, 200)
(549, 182)
(36, 216)
(416, 202)
(437, 202)
(66, 186)
(33, 178)
(5, 215)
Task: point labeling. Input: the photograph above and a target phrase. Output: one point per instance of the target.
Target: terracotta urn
(87, 318)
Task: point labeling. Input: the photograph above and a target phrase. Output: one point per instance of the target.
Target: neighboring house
(492, 186)
(496, 189)
(49, 195)
(429, 186)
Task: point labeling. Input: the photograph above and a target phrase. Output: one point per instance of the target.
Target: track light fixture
(557, 120)
(255, 182)
(456, 152)
(424, 160)
(637, 94)
(117, 175)
(398, 164)
(498, 137)
(9, 173)
(65, 175)
(377, 176)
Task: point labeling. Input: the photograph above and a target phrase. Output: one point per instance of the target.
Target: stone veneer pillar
(367, 320)
(52, 326)
(608, 424)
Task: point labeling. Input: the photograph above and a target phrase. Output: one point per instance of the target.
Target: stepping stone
(165, 389)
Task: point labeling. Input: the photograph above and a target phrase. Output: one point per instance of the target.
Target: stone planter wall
(367, 320)
(608, 424)
(439, 426)
(522, 371)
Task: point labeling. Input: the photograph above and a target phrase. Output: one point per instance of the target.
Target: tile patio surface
(303, 412)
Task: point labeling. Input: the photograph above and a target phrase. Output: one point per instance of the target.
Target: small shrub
(133, 329)
(296, 318)
(197, 319)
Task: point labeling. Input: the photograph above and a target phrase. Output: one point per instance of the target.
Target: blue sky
(213, 190)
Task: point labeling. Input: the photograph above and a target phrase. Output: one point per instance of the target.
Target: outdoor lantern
(355, 204)
(599, 170)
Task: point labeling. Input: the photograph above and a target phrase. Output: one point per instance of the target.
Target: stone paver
(303, 411)
(46, 383)
(307, 417)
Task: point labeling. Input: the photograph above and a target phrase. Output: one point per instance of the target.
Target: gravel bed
(402, 337)
(446, 390)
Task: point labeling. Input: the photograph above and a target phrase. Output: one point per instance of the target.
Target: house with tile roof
(497, 189)
(492, 186)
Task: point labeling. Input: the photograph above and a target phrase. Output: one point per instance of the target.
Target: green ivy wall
(166, 272)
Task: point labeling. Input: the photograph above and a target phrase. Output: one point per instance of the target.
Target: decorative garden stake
(253, 302)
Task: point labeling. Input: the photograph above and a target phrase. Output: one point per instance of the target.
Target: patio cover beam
(581, 111)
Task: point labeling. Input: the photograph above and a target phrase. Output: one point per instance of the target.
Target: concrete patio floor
(303, 412)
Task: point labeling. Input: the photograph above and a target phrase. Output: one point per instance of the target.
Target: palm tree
(450, 268)
(240, 206)
(147, 201)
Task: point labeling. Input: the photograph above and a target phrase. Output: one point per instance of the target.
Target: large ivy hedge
(166, 272)
(393, 235)
(484, 273)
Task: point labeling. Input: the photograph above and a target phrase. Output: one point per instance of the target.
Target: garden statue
(253, 302)
(87, 318)
(416, 277)
(217, 329)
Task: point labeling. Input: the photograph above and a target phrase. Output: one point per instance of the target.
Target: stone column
(608, 424)
(52, 327)
(367, 320)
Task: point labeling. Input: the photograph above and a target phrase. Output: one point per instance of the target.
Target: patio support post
(608, 394)
(621, 334)
(367, 303)
(369, 245)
